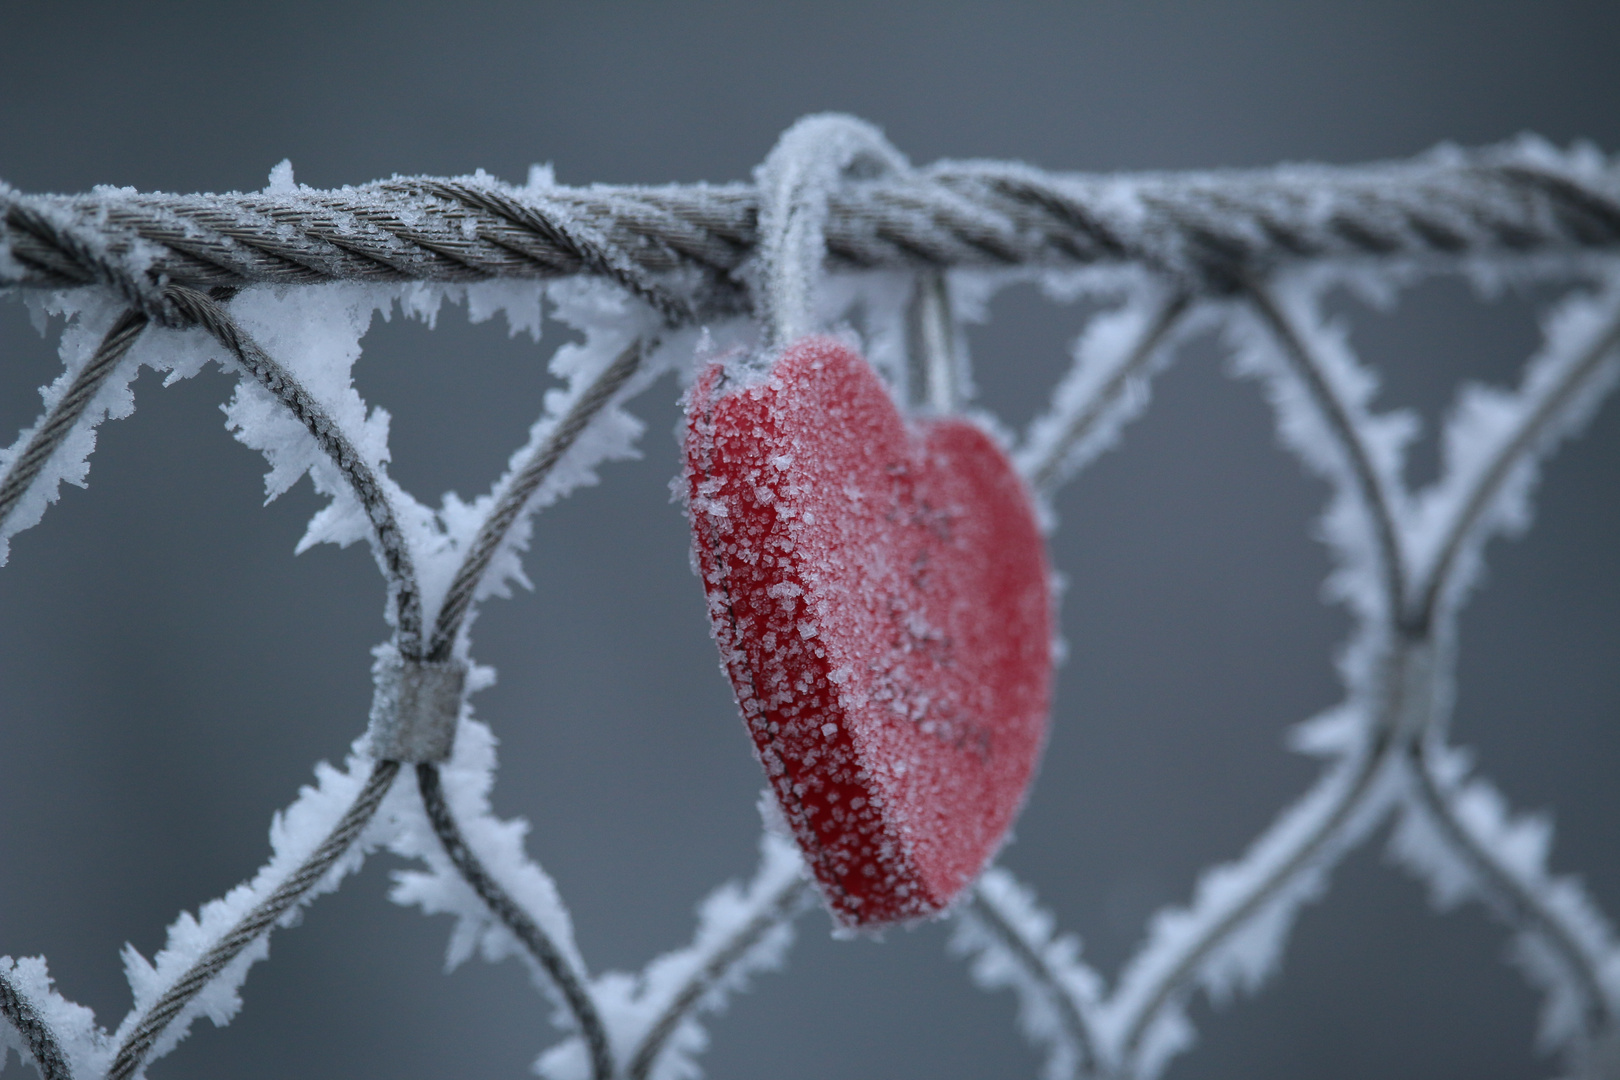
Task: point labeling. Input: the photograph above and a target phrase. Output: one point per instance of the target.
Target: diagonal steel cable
(36, 1033)
(59, 422)
(1045, 474)
(138, 1044)
(196, 309)
(517, 493)
(788, 901)
(1505, 896)
(1495, 475)
(1369, 486)
(1401, 664)
(1070, 1015)
(510, 913)
(1374, 759)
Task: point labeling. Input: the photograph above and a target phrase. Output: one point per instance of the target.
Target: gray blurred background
(169, 672)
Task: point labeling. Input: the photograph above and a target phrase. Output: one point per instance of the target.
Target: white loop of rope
(796, 182)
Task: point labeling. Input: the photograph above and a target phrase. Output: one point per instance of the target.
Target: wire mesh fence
(279, 287)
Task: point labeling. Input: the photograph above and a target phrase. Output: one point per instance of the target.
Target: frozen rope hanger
(1210, 231)
(796, 185)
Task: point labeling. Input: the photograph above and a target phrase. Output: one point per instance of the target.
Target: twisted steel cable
(139, 1043)
(22, 472)
(1210, 230)
(570, 983)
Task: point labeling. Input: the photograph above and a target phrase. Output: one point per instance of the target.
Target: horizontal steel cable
(1210, 230)
(151, 1026)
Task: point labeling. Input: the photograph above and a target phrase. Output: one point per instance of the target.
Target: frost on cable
(1403, 563)
(83, 1043)
(439, 890)
(294, 835)
(89, 314)
(1011, 943)
(652, 1016)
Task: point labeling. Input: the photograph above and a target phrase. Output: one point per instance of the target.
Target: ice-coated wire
(151, 1026)
(1370, 488)
(195, 309)
(36, 1034)
(56, 426)
(569, 983)
(1212, 231)
(597, 255)
(1073, 1019)
(787, 902)
(1496, 474)
(834, 196)
(1165, 989)
(1386, 743)
(458, 599)
(1515, 906)
(1046, 473)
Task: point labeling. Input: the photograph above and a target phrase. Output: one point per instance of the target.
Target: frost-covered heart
(880, 595)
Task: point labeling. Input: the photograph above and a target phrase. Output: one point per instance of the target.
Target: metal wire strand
(787, 903)
(36, 1033)
(1389, 733)
(25, 469)
(1211, 231)
(193, 308)
(1368, 485)
(1522, 445)
(458, 600)
(507, 910)
(1046, 474)
(140, 1041)
(1504, 896)
(1069, 1012)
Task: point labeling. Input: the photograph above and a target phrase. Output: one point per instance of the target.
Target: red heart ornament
(879, 592)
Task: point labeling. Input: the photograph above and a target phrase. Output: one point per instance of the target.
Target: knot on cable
(415, 707)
